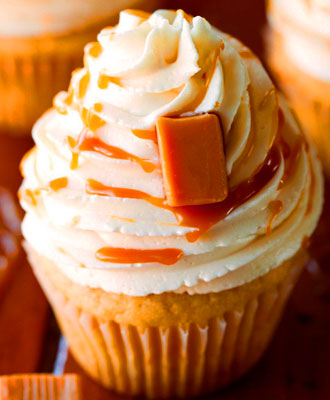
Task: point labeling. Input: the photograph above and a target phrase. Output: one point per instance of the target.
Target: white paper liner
(171, 362)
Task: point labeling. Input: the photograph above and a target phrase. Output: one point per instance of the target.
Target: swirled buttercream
(94, 180)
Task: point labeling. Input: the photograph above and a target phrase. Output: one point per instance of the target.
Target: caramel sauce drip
(290, 162)
(86, 142)
(205, 216)
(98, 107)
(144, 134)
(62, 107)
(75, 155)
(306, 242)
(95, 50)
(31, 197)
(201, 217)
(83, 84)
(59, 183)
(68, 101)
(246, 54)
(103, 81)
(134, 256)
(74, 161)
(91, 120)
(276, 208)
(95, 187)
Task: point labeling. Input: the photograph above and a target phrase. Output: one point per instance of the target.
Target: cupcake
(299, 56)
(41, 42)
(168, 201)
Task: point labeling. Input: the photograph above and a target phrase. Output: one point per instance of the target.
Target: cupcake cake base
(120, 342)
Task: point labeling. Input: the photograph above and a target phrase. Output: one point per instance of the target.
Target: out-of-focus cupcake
(298, 49)
(157, 292)
(41, 42)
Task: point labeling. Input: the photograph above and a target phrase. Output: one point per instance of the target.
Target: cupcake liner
(171, 362)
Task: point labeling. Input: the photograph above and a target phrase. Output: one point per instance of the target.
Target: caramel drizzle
(30, 196)
(83, 85)
(290, 162)
(135, 256)
(95, 187)
(104, 80)
(67, 102)
(90, 119)
(59, 183)
(86, 142)
(75, 155)
(144, 134)
(276, 208)
(95, 49)
(69, 99)
(201, 217)
(306, 242)
(92, 122)
(246, 54)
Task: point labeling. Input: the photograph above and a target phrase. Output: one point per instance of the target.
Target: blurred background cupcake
(41, 41)
(299, 56)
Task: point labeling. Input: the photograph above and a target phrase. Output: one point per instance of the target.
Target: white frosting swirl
(146, 67)
(305, 28)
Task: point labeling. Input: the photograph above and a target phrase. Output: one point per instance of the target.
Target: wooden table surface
(296, 366)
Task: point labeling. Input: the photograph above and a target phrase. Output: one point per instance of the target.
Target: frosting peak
(147, 67)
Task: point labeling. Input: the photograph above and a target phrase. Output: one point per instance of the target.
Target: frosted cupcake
(168, 281)
(41, 42)
(299, 54)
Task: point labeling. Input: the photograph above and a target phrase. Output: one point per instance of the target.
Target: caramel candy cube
(40, 387)
(192, 159)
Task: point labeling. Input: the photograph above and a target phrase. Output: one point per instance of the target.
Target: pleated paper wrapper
(171, 362)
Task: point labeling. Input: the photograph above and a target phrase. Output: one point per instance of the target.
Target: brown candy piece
(193, 160)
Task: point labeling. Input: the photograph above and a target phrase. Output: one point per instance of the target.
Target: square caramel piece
(192, 159)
